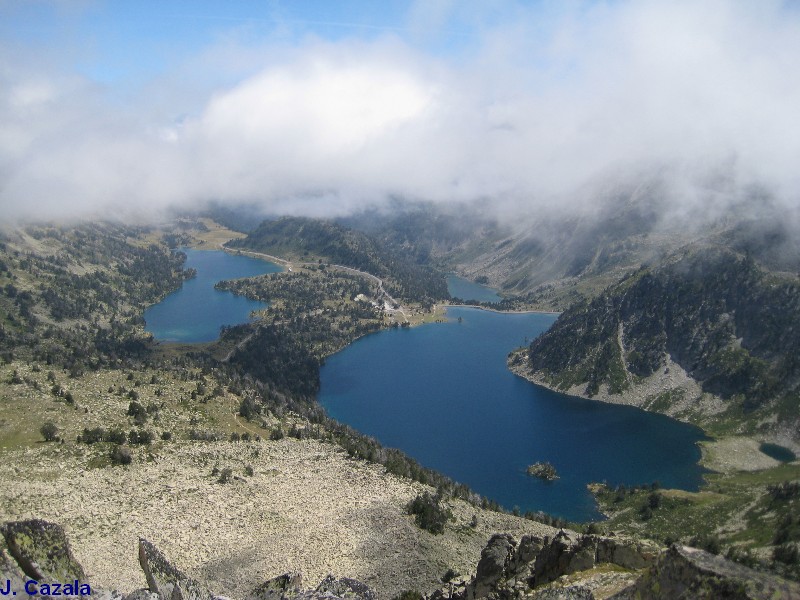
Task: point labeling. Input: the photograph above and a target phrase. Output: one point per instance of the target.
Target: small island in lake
(543, 470)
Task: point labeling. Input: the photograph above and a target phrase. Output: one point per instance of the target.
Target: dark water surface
(442, 394)
(195, 312)
(458, 287)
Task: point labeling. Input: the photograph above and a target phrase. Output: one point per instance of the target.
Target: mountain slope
(312, 239)
(730, 325)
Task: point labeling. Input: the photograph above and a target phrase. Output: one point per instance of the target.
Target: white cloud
(544, 107)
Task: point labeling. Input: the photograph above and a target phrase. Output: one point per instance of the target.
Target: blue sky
(327, 106)
(118, 41)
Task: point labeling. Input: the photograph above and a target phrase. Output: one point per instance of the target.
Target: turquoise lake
(458, 287)
(442, 393)
(195, 312)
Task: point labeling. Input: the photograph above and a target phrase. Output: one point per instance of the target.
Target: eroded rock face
(165, 580)
(41, 550)
(684, 573)
(493, 565)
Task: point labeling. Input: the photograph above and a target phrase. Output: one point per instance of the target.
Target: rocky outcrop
(508, 569)
(572, 566)
(288, 585)
(684, 573)
(36, 549)
(41, 551)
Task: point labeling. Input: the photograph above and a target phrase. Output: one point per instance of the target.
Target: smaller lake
(458, 287)
(196, 312)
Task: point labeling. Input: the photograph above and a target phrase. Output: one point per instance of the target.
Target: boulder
(572, 592)
(41, 550)
(282, 587)
(627, 552)
(566, 553)
(345, 587)
(164, 579)
(492, 567)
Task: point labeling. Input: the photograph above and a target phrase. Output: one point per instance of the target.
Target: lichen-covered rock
(282, 587)
(41, 550)
(345, 587)
(9, 569)
(684, 573)
(164, 579)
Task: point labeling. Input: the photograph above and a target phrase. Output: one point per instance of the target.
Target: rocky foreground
(567, 566)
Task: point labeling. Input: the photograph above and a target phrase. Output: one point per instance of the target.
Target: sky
(324, 107)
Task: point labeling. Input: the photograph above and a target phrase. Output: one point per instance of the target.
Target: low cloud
(543, 110)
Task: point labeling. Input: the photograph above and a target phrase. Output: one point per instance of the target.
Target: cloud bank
(544, 107)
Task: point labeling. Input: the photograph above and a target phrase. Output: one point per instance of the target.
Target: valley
(193, 424)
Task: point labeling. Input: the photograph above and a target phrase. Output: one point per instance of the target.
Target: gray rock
(566, 553)
(41, 550)
(529, 548)
(142, 594)
(627, 552)
(345, 587)
(492, 567)
(573, 592)
(164, 579)
(684, 573)
(282, 587)
(104, 594)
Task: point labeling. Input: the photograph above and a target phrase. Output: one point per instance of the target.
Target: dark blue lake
(195, 312)
(442, 394)
(458, 287)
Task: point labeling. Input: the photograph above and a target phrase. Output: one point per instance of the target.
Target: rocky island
(542, 470)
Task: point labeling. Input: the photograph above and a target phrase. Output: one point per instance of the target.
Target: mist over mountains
(531, 111)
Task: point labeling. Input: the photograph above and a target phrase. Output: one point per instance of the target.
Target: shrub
(787, 554)
(226, 475)
(121, 455)
(141, 437)
(92, 436)
(449, 575)
(115, 436)
(429, 514)
(49, 431)
(248, 408)
(166, 435)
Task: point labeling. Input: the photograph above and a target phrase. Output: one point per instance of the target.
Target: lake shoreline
(719, 454)
(447, 305)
